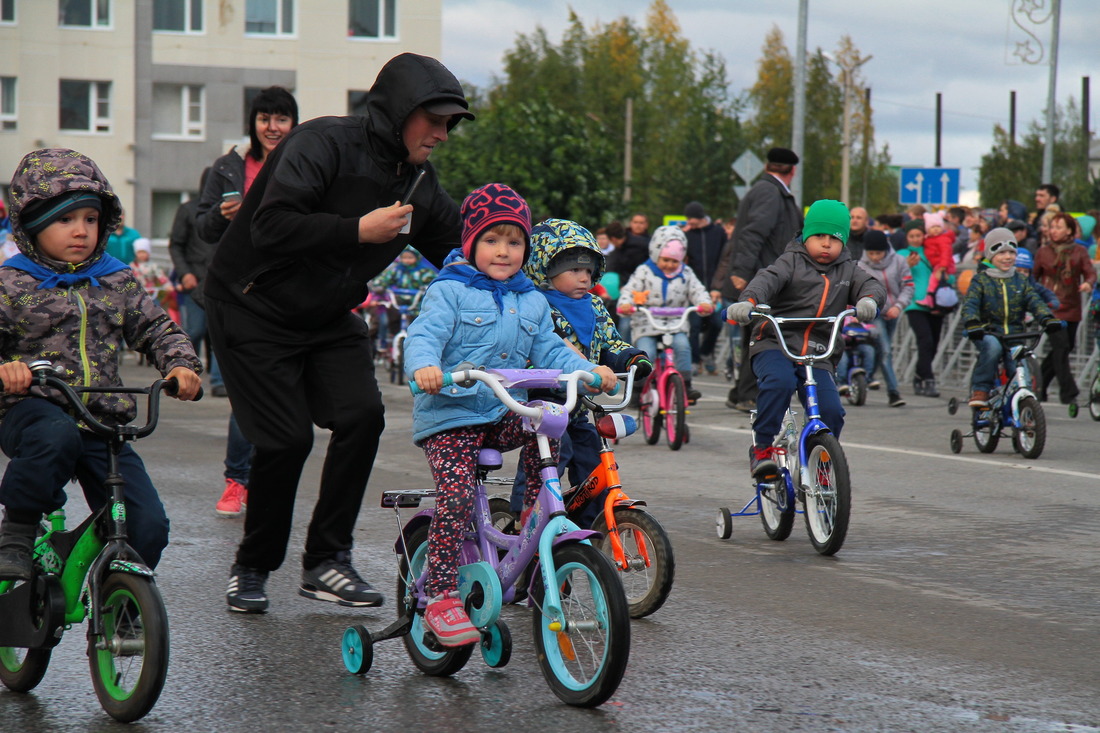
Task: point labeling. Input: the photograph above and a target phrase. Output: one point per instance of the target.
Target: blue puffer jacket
(462, 324)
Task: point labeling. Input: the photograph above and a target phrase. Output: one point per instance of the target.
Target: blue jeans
(779, 378)
(884, 351)
(238, 453)
(47, 449)
(704, 334)
(681, 351)
(990, 354)
(867, 354)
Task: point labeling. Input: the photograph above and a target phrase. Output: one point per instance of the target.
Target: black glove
(645, 367)
(1052, 326)
(976, 335)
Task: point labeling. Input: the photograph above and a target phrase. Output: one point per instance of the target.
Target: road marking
(926, 454)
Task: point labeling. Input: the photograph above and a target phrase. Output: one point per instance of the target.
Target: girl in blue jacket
(480, 310)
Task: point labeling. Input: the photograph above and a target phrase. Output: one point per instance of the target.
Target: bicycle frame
(1017, 388)
(664, 366)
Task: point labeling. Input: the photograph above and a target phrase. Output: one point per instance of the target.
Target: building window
(357, 103)
(179, 16)
(372, 18)
(269, 17)
(85, 106)
(7, 11)
(8, 116)
(85, 13)
(178, 112)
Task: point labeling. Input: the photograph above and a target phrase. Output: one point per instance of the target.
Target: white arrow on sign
(944, 180)
(917, 185)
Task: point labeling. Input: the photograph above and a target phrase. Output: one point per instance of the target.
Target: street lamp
(848, 66)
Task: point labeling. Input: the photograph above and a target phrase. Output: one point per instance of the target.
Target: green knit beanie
(827, 217)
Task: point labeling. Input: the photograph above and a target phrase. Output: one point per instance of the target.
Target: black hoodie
(292, 252)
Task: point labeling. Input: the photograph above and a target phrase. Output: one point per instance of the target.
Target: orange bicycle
(635, 541)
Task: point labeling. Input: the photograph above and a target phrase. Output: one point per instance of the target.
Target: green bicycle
(91, 573)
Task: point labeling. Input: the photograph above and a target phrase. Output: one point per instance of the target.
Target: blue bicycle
(812, 467)
(581, 620)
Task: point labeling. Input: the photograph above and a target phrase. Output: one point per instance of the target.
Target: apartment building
(155, 90)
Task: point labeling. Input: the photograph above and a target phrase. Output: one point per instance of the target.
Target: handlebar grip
(597, 380)
(198, 395)
(448, 380)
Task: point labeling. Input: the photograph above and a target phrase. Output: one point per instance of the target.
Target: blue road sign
(929, 186)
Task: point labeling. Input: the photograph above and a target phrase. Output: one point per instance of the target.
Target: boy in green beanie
(814, 277)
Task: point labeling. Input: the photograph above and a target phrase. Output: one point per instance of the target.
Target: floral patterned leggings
(452, 456)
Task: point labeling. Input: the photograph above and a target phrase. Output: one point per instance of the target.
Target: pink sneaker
(449, 622)
(234, 500)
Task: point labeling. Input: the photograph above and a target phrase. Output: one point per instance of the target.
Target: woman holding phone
(272, 115)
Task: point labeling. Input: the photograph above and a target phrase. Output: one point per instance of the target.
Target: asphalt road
(965, 598)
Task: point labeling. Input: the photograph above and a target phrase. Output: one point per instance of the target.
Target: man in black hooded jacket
(329, 210)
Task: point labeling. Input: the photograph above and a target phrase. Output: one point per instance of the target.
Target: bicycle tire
(1030, 436)
(649, 410)
(433, 663)
(584, 662)
(646, 588)
(777, 507)
(135, 627)
(21, 669)
(988, 436)
(676, 411)
(827, 502)
(857, 389)
(1094, 397)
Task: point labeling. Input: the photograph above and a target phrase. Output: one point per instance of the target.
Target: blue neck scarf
(665, 279)
(580, 313)
(105, 265)
(457, 268)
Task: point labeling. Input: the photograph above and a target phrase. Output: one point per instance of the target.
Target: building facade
(155, 90)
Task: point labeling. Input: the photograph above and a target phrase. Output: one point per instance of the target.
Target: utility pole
(1048, 147)
(848, 67)
(628, 154)
(798, 127)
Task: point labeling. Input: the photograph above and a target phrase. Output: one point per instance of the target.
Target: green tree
(1013, 171)
(555, 125)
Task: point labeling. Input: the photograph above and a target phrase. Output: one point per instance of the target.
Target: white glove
(866, 310)
(740, 312)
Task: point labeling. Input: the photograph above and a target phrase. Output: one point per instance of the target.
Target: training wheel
(357, 649)
(1072, 409)
(496, 644)
(956, 441)
(952, 406)
(724, 524)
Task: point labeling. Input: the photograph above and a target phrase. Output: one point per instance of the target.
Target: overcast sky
(961, 48)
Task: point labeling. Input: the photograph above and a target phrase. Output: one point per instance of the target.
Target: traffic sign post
(929, 186)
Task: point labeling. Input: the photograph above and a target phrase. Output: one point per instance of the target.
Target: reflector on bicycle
(616, 425)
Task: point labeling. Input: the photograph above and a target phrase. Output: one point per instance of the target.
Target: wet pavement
(965, 598)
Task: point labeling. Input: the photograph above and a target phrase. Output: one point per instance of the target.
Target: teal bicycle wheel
(583, 661)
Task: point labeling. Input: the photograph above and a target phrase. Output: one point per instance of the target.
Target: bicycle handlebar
(500, 380)
(43, 376)
(666, 312)
(590, 402)
(764, 311)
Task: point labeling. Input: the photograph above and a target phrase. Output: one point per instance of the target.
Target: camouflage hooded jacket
(84, 327)
(548, 239)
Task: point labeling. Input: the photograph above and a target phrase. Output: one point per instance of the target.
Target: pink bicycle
(664, 393)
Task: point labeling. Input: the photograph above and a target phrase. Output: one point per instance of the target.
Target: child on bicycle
(814, 277)
(665, 281)
(65, 300)
(480, 310)
(408, 272)
(566, 263)
(996, 303)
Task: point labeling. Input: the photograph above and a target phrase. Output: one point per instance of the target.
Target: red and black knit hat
(492, 204)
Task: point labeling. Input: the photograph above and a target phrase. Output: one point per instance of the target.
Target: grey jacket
(796, 286)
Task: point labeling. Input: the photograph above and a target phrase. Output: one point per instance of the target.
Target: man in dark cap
(332, 207)
(767, 220)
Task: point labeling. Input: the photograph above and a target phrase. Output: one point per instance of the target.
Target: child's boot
(918, 386)
(979, 398)
(17, 550)
(930, 388)
(895, 399)
(693, 395)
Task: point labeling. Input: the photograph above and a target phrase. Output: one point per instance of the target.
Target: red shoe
(234, 500)
(448, 621)
(762, 462)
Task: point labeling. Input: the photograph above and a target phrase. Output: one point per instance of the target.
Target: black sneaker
(335, 580)
(246, 590)
(693, 395)
(896, 400)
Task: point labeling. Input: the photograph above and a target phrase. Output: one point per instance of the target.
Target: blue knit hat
(40, 214)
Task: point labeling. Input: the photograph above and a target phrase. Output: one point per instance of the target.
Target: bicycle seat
(489, 459)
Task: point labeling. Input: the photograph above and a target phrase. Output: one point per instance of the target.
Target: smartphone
(232, 196)
(408, 197)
